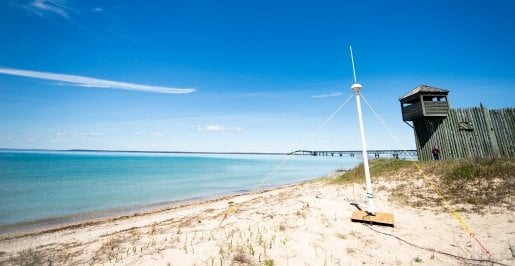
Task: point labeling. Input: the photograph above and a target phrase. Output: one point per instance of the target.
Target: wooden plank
(488, 150)
(453, 135)
(380, 218)
(472, 136)
(451, 145)
(503, 121)
(412, 111)
(510, 133)
(461, 137)
(488, 126)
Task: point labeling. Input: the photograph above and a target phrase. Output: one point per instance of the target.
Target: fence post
(490, 129)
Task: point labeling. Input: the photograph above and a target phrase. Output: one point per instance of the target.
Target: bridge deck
(355, 152)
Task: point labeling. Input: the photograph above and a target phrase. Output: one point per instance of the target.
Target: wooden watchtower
(460, 133)
(424, 102)
(426, 107)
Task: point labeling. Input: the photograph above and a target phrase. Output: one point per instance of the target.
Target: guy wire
(434, 187)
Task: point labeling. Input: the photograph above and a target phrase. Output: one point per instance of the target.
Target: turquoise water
(42, 186)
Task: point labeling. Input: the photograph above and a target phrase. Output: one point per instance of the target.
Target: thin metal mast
(356, 87)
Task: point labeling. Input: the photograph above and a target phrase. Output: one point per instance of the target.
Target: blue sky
(239, 75)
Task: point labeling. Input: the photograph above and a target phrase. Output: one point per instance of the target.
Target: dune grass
(480, 182)
(28, 257)
(379, 167)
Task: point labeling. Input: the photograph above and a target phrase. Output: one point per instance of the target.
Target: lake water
(48, 187)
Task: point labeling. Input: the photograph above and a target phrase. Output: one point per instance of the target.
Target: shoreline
(305, 223)
(57, 223)
(56, 203)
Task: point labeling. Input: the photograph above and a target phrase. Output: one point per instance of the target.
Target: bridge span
(352, 153)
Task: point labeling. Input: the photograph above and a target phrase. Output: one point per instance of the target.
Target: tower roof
(424, 89)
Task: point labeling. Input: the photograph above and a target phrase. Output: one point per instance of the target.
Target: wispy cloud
(65, 136)
(151, 133)
(52, 6)
(60, 137)
(87, 134)
(92, 82)
(216, 128)
(91, 19)
(332, 94)
(119, 35)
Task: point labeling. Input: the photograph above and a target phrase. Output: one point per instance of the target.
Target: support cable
(303, 143)
(435, 189)
(384, 124)
(235, 207)
(434, 250)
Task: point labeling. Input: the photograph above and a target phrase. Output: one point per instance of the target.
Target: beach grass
(379, 167)
(479, 182)
(28, 257)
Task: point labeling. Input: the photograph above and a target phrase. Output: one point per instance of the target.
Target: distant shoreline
(131, 151)
(190, 152)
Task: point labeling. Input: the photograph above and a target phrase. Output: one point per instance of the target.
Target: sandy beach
(300, 224)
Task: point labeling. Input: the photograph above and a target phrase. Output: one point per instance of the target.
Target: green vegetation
(269, 262)
(379, 167)
(28, 257)
(241, 258)
(480, 182)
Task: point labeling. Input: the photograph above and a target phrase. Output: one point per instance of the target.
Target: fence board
(492, 133)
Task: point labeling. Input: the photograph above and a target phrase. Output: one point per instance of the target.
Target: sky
(241, 76)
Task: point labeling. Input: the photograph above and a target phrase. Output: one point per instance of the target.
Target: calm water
(47, 186)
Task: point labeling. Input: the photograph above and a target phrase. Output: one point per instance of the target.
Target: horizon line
(203, 152)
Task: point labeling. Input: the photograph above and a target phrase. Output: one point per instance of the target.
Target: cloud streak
(149, 133)
(332, 94)
(51, 6)
(89, 19)
(216, 128)
(69, 137)
(93, 82)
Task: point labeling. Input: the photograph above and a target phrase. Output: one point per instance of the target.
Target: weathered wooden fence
(467, 133)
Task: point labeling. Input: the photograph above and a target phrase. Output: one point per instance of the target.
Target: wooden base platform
(380, 218)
